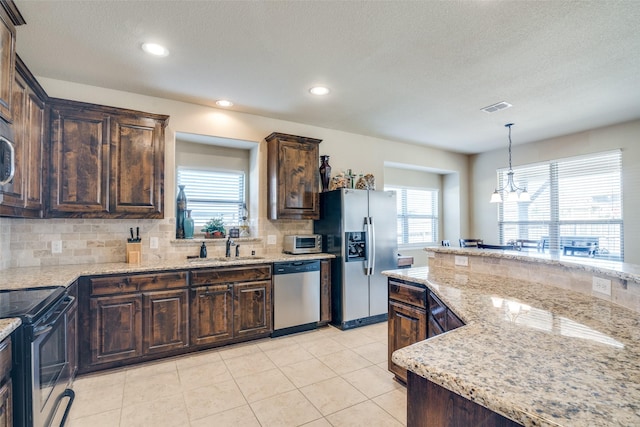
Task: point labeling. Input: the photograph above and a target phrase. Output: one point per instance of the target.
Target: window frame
(404, 217)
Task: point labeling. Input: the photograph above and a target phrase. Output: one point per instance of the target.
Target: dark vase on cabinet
(181, 208)
(325, 173)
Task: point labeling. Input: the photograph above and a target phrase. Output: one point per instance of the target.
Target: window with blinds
(213, 193)
(574, 201)
(417, 215)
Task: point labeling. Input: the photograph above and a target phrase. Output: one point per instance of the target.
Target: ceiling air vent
(496, 107)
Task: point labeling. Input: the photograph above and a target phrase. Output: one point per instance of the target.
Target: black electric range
(29, 304)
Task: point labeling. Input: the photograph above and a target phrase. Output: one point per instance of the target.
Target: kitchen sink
(225, 259)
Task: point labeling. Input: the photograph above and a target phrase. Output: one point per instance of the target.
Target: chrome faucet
(229, 244)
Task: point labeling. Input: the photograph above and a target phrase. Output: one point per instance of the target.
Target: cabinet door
(115, 328)
(293, 177)
(325, 291)
(407, 325)
(7, 61)
(211, 314)
(34, 139)
(165, 324)
(6, 404)
(79, 181)
(137, 161)
(252, 309)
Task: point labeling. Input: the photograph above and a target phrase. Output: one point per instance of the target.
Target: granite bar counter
(65, 275)
(538, 354)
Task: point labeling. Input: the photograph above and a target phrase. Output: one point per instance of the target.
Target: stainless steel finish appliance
(302, 244)
(296, 296)
(42, 371)
(359, 227)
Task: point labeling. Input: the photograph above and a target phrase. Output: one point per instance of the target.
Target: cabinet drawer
(5, 359)
(136, 283)
(409, 294)
(230, 275)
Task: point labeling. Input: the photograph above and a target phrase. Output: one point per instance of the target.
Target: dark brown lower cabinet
(6, 387)
(430, 405)
(115, 328)
(210, 312)
(165, 321)
(407, 325)
(252, 309)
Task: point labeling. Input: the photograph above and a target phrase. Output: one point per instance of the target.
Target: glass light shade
(512, 196)
(319, 90)
(495, 197)
(155, 49)
(524, 196)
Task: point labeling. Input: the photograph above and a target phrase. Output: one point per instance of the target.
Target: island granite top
(537, 354)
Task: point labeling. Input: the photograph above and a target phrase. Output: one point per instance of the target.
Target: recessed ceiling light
(319, 90)
(224, 103)
(155, 49)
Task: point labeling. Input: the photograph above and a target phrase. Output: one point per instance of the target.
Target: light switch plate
(462, 261)
(601, 285)
(153, 243)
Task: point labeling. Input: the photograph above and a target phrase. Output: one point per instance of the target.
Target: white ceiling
(416, 71)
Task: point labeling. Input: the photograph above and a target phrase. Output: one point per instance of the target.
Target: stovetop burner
(28, 303)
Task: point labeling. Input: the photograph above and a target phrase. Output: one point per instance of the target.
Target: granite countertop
(537, 354)
(620, 270)
(65, 275)
(8, 325)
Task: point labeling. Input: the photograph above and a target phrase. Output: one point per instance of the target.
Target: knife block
(134, 253)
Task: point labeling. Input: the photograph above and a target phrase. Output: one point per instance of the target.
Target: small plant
(214, 226)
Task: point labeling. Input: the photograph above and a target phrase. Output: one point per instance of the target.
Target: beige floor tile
(198, 359)
(308, 372)
(150, 369)
(93, 401)
(379, 331)
(276, 343)
(104, 419)
(288, 355)
(99, 380)
(286, 409)
(344, 361)
(165, 412)
(322, 347)
(332, 395)
(199, 376)
(241, 416)
(395, 403)
(365, 414)
(353, 338)
(375, 352)
(264, 385)
(236, 350)
(138, 388)
(372, 381)
(250, 364)
(322, 422)
(212, 399)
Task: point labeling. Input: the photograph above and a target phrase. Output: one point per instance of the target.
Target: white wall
(626, 136)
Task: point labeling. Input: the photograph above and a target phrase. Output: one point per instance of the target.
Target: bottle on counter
(203, 250)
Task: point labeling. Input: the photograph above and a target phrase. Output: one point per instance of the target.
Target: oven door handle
(40, 330)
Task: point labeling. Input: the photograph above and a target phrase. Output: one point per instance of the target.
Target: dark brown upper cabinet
(9, 18)
(105, 162)
(293, 177)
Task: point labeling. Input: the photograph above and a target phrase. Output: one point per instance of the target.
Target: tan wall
(483, 215)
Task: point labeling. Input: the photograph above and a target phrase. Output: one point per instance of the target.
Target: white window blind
(212, 194)
(417, 215)
(573, 201)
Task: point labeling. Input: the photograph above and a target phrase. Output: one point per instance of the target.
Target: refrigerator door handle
(372, 248)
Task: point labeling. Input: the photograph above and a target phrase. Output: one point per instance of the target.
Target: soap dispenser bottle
(203, 250)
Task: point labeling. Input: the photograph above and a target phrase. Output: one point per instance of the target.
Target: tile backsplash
(29, 242)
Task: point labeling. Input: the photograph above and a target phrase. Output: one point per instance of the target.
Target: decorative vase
(188, 226)
(181, 208)
(325, 172)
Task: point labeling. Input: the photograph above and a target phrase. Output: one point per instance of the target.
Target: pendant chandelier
(512, 192)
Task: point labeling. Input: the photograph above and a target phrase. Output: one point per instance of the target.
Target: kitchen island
(540, 354)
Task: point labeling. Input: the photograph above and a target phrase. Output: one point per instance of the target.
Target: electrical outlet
(601, 285)
(56, 246)
(271, 239)
(153, 243)
(462, 261)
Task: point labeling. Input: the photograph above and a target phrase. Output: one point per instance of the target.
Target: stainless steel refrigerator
(359, 227)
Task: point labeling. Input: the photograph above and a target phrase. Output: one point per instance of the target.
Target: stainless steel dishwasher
(296, 296)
